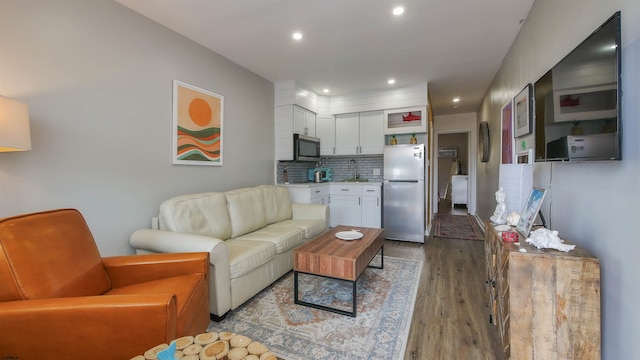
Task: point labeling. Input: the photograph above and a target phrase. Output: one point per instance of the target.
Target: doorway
(452, 167)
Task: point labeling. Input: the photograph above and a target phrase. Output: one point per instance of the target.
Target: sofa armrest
(128, 270)
(107, 326)
(310, 212)
(156, 241)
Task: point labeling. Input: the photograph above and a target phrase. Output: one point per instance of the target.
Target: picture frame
(524, 157)
(506, 113)
(197, 126)
(530, 211)
(523, 114)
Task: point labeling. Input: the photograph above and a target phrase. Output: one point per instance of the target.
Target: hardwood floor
(451, 317)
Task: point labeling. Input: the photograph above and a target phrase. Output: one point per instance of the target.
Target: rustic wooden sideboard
(545, 303)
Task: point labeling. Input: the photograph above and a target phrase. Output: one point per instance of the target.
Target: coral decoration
(411, 117)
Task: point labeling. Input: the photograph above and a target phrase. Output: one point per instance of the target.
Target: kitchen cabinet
(309, 193)
(289, 120)
(345, 207)
(371, 206)
(326, 132)
(355, 204)
(545, 303)
(304, 121)
(405, 120)
(359, 133)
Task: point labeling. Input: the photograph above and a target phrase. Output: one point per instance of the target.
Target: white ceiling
(352, 46)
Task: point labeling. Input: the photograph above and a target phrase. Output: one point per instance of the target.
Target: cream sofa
(249, 233)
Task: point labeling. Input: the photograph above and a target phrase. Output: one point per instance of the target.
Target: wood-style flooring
(451, 316)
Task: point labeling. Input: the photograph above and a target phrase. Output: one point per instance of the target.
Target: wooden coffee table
(328, 256)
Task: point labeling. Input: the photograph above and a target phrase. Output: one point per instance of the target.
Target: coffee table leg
(295, 287)
(381, 260)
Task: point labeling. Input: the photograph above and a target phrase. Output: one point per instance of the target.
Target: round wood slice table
(213, 346)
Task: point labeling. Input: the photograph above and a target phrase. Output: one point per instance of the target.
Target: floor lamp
(14, 126)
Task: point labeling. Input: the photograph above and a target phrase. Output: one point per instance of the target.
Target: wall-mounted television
(578, 102)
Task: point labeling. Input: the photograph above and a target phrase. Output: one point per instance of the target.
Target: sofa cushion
(246, 210)
(247, 255)
(203, 214)
(284, 238)
(310, 228)
(277, 204)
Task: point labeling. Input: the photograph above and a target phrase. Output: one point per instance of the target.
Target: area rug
(457, 226)
(385, 302)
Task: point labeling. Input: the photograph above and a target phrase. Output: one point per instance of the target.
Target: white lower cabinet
(371, 206)
(351, 204)
(355, 205)
(309, 194)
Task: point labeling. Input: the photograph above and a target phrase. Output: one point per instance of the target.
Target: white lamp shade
(14, 126)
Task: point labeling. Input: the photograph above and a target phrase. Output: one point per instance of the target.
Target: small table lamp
(14, 126)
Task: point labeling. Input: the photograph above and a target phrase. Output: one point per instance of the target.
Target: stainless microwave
(306, 148)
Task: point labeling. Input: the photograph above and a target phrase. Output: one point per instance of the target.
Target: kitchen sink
(355, 180)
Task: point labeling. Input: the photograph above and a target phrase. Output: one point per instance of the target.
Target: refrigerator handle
(418, 154)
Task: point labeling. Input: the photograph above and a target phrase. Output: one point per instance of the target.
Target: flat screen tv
(577, 102)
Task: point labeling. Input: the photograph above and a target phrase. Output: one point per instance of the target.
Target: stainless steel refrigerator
(403, 193)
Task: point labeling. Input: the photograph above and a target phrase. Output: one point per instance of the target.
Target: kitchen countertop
(313, 184)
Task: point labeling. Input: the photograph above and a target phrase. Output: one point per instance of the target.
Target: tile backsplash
(339, 166)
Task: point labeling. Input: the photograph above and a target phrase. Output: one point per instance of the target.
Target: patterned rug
(457, 226)
(385, 301)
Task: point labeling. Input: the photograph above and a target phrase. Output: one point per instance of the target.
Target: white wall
(591, 204)
(98, 81)
(449, 124)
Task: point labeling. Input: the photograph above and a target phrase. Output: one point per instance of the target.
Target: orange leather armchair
(60, 300)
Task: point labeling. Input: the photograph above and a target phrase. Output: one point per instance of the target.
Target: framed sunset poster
(197, 125)
(507, 133)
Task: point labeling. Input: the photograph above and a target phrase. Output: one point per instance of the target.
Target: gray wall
(591, 204)
(98, 81)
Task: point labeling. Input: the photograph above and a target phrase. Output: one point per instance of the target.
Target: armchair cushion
(63, 262)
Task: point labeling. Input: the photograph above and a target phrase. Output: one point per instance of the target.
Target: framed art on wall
(523, 111)
(197, 125)
(507, 134)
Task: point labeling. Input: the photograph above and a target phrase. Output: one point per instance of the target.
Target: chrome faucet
(355, 168)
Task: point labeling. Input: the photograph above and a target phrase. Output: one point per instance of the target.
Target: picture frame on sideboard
(530, 211)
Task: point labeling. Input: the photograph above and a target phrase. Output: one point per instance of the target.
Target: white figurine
(498, 216)
(548, 239)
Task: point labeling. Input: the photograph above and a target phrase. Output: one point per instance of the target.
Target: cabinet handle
(344, 189)
(370, 190)
(359, 201)
(377, 201)
(317, 191)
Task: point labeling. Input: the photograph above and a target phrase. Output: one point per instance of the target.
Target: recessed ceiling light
(325, 90)
(455, 100)
(398, 10)
(391, 81)
(297, 35)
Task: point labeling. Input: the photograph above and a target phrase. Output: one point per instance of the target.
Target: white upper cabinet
(359, 133)
(371, 132)
(326, 131)
(405, 120)
(304, 121)
(347, 134)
